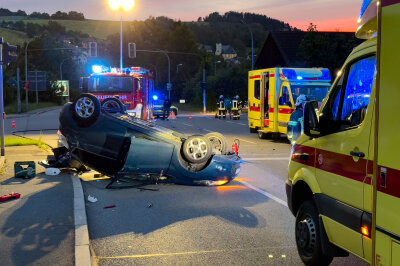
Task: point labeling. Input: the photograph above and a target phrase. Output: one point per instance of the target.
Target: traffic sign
(62, 88)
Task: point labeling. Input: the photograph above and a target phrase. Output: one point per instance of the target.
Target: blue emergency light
(97, 69)
(155, 97)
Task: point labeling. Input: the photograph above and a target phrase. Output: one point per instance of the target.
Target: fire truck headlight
(96, 69)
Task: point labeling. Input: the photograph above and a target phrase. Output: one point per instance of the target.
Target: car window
(285, 97)
(257, 89)
(358, 90)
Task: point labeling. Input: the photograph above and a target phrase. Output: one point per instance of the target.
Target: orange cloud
(344, 24)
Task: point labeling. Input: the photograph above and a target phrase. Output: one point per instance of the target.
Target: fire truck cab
(344, 175)
(273, 92)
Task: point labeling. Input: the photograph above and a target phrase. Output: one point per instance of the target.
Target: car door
(285, 105)
(341, 164)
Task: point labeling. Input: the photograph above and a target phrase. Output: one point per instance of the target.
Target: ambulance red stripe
(255, 77)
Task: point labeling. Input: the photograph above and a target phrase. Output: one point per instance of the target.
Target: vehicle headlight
(237, 171)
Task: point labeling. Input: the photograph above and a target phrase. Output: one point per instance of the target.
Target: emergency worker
(166, 108)
(228, 106)
(236, 107)
(295, 126)
(221, 107)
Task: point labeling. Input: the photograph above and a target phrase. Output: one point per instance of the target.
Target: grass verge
(12, 108)
(14, 141)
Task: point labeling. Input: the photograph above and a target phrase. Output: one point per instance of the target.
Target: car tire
(308, 236)
(86, 109)
(218, 142)
(253, 130)
(113, 105)
(197, 149)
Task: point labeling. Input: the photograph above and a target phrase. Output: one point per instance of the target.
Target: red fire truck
(133, 86)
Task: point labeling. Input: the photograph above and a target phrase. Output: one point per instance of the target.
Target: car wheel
(86, 109)
(308, 236)
(253, 130)
(218, 142)
(197, 149)
(113, 105)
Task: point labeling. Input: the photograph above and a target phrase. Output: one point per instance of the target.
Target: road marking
(230, 122)
(207, 130)
(187, 125)
(267, 159)
(278, 200)
(242, 124)
(193, 252)
(247, 141)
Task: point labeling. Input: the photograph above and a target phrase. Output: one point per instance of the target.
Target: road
(245, 222)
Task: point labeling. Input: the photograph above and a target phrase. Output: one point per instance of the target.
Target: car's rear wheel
(197, 149)
(113, 105)
(308, 236)
(218, 142)
(86, 109)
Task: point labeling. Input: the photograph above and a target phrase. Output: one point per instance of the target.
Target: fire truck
(133, 86)
(343, 185)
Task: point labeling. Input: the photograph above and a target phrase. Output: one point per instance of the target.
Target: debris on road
(110, 207)
(25, 169)
(92, 199)
(52, 171)
(150, 205)
(10, 196)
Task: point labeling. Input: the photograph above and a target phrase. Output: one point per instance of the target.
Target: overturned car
(105, 138)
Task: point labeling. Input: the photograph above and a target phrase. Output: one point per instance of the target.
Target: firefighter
(295, 126)
(221, 107)
(166, 108)
(228, 107)
(236, 106)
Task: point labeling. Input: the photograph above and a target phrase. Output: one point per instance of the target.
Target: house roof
(286, 44)
(227, 49)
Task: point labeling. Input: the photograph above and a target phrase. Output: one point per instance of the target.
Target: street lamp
(177, 67)
(120, 5)
(215, 67)
(252, 45)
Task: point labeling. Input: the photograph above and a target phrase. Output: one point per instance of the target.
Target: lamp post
(252, 45)
(120, 5)
(215, 67)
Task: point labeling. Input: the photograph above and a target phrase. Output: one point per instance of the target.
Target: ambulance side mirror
(311, 125)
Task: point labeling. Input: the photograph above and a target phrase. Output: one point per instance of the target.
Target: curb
(82, 244)
(34, 112)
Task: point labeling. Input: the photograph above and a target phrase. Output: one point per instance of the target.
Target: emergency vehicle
(133, 86)
(273, 92)
(344, 173)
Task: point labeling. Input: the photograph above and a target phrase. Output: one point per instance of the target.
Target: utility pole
(204, 90)
(18, 93)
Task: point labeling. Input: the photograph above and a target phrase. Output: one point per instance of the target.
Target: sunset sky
(328, 15)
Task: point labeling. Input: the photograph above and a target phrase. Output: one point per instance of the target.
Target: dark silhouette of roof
(281, 48)
(227, 49)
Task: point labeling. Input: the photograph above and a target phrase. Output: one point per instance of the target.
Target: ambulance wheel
(218, 142)
(86, 109)
(308, 236)
(262, 135)
(253, 130)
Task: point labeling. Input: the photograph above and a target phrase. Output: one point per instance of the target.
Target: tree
(312, 27)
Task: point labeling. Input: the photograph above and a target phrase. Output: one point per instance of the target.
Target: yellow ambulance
(273, 92)
(344, 174)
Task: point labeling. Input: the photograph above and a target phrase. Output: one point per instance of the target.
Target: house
(281, 48)
(226, 51)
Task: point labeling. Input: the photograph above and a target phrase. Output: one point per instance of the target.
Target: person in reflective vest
(221, 107)
(295, 126)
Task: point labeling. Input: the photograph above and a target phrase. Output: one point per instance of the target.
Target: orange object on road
(13, 123)
(190, 117)
(172, 115)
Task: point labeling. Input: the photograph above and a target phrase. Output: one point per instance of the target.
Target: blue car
(105, 138)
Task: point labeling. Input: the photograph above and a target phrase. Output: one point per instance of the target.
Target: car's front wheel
(86, 109)
(308, 236)
(218, 142)
(197, 149)
(113, 105)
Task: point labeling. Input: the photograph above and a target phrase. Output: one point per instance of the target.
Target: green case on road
(25, 169)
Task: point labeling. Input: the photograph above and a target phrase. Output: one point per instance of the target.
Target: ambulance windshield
(313, 92)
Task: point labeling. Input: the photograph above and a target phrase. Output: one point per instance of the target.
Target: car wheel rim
(111, 105)
(306, 235)
(216, 144)
(197, 149)
(84, 107)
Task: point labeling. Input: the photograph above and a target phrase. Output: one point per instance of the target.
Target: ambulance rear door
(285, 105)
(254, 99)
(388, 138)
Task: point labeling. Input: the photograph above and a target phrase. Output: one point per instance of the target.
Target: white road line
(278, 200)
(247, 141)
(242, 124)
(267, 159)
(207, 130)
(187, 125)
(230, 122)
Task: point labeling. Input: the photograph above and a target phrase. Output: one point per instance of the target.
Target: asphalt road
(245, 222)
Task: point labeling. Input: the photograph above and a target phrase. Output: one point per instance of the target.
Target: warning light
(364, 231)
(96, 69)
(155, 97)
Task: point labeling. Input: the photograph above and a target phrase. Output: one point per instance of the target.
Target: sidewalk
(39, 227)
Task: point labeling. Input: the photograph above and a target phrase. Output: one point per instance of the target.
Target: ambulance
(343, 185)
(273, 93)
